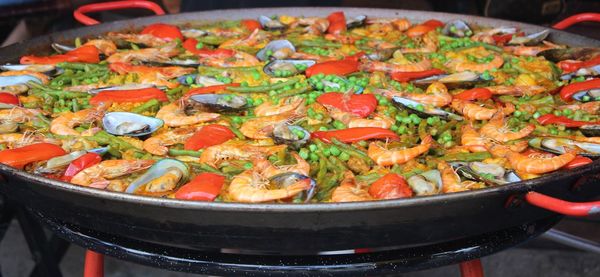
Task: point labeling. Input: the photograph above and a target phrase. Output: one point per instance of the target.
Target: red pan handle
(80, 12)
(574, 19)
(562, 207)
(94, 264)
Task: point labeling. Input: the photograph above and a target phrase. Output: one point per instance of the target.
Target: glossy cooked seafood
(302, 109)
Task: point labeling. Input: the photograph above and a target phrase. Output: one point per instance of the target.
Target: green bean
(337, 163)
(232, 170)
(236, 131)
(466, 157)
(318, 43)
(208, 69)
(293, 92)
(322, 170)
(174, 91)
(181, 152)
(205, 168)
(146, 106)
(291, 81)
(369, 178)
(352, 151)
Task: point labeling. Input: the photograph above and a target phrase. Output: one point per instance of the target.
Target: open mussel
(218, 102)
(61, 48)
(193, 33)
(47, 69)
(560, 145)
(490, 174)
(190, 79)
(591, 71)
(294, 136)
(531, 39)
(277, 49)
(356, 21)
(130, 124)
(270, 24)
(423, 111)
(457, 28)
(426, 183)
(463, 79)
(289, 178)
(121, 87)
(179, 62)
(286, 68)
(15, 80)
(381, 54)
(575, 53)
(587, 95)
(164, 176)
(590, 130)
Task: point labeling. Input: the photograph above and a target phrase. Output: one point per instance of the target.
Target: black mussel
(426, 183)
(575, 53)
(270, 24)
(463, 79)
(421, 110)
(356, 21)
(130, 124)
(490, 174)
(590, 130)
(591, 71)
(47, 69)
(294, 136)
(219, 102)
(287, 68)
(289, 178)
(457, 28)
(559, 145)
(531, 39)
(277, 49)
(18, 82)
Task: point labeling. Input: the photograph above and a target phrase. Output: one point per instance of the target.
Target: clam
(457, 28)
(289, 178)
(270, 24)
(47, 69)
(16, 80)
(356, 21)
(531, 39)
(427, 111)
(197, 79)
(287, 67)
(575, 53)
(586, 71)
(276, 49)
(219, 102)
(490, 174)
(130, 124)
(294, 136)
(121, 87)
(165, 175)
(559, 145)
(455, 80)
(426, 183)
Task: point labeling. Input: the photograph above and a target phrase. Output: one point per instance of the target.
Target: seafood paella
(290, 109)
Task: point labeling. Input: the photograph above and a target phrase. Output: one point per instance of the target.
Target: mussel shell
(178, 62)
(460, 30)
(289, 65)
(409, 105)
(468, 172)
(219, 102)
(199, 80)
(121, 87)
(593, 94)
(42, 68)
(157, 170)
(575, 53)
(284, 134)
(193, 33)
(276, 47)
(586, 72)
(130, 124)
(556, 146)
(531, 39)
(426, 183)
(381, 54)
(270, 24)
(6, 81)
(289, 178)
(61, 48)
(463, 79)
(590, 130)
(356, 21)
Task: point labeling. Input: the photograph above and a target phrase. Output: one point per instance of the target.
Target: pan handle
(574, 19)
(80, 12)
(562, 207)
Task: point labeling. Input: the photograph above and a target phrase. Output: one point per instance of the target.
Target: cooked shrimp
(145, 55)
(450, 180)
(429, 45)
(472, 139)
(539, 165)
(262, 127)
(269, 170)
(372, 66)
(497, 129)
(385, 157)
(64, 124)
(15, 140)
(18, 114)
(101, 175)
(377, 121)
(435, 95)
(517, 90)
(157, 145)
(237, 150)
(530, 50)
(473, 111)
(106, 47)
(286, 105)
(237, 60)
(459, 65)
(174, 115)
(349, 190)
(159, 72)
(401, 24)
(589, 107)
(253, 39)
(251, 186)
(314, 25)
(145, 39)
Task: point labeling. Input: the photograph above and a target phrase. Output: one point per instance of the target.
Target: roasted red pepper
(423, 28)
(251, 24)
(407, 76)
(130, 95)
(350, 135)
(209, 135)
(433, 23)
(390, 186)
(577, 162)
(359, 104)
(80, 164)
(190, 45)
(83, 54)
(503, 39)
(20, 157)
(337, 23)
(164, 31)
(342, 68)
(9, 98)
(474, 94)
(210, 89)
(567, 92)
(570, 66)
(563, 120)
(204, 187)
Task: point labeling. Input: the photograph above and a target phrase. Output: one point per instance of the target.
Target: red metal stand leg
(471, 268)
(94, 264)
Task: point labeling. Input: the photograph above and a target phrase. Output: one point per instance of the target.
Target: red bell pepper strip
(337, 23)
(342, 68)
(20, 157)
(163, 31)
(83, 54)
(351, 135)
(190, 45)
(563, 120)
(80, 164)
(413, 75)
(204, 187)
(433, 23)
(567, 92)
(210, 89)
(9, 98)
(577, 162)
(130, 95)
(359, 104)
(209, 135)
(474, 94)
(570, 66)
(423, 28)
(390, 186)
(251, 24)
(503, 39)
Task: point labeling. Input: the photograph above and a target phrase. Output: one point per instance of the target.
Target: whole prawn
(385, 157)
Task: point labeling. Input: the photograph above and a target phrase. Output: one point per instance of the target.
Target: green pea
(402, 130)
(536, 115)
(334, 151)
(344, 156)
(199, 45)
(312, 147)
(323, 128)
(248, 165)
(303, 153)
(326, 152)
(518, 113)
(314, 157)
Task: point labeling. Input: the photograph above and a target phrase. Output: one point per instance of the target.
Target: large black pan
(287, 227)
